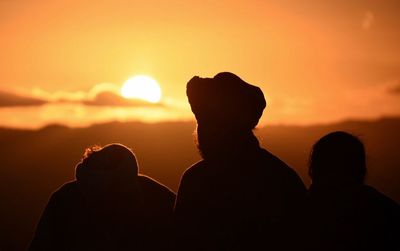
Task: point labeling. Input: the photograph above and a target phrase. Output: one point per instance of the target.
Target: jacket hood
(111, 166)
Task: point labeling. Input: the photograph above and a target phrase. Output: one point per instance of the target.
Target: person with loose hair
(108, 207)
(240, 196)
(343, 212)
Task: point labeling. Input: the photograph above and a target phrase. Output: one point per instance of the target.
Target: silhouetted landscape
(37, 162)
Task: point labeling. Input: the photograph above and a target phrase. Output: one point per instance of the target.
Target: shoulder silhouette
(239, 196)
(344, 213)
(108, 207)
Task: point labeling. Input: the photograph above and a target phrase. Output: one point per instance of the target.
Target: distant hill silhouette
(36, 162)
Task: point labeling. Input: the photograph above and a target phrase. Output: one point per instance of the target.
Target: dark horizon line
(193, 121)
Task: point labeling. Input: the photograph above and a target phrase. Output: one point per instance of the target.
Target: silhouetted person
(239, 196)
(344, 213)
(108, 207)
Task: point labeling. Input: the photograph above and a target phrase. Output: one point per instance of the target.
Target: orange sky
(316, 61)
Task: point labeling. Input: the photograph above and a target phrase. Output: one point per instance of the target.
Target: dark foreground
(35, 163)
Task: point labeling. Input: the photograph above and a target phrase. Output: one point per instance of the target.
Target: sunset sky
(316, 61)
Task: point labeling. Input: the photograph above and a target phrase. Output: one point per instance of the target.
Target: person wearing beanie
(239, 196)
(108, 207)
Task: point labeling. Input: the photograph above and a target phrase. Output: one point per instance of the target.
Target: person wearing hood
(343, 212)
(240, 196)
(108, 207)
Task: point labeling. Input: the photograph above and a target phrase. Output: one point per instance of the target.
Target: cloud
(8, 99)
(368, 20)
(108, 98)
(107, 94)
(57, 95)
(104, 94)
(99, 95)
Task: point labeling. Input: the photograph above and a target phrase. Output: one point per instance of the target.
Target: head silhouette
(109, 164)
(226, 109)
(337, 159)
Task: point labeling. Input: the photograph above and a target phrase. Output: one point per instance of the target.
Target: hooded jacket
(108, 207)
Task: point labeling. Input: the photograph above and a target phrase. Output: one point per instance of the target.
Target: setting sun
(142, 87)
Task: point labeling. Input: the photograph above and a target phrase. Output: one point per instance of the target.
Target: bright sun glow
(142, 87)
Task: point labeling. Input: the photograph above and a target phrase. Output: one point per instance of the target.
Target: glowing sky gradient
(316, 61)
